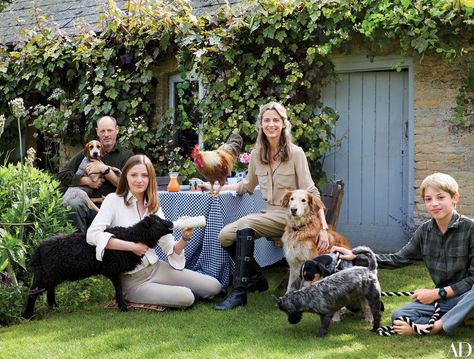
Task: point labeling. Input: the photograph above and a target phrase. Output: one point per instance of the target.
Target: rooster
(217, 165)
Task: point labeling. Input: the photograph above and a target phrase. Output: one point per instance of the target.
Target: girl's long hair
(151, 195)
(262, 145)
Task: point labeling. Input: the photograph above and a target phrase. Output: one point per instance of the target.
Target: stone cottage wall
(439, 146)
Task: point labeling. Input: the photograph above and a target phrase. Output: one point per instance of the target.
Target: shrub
(74, 295)
(30, 217)
(30, 210)
(12, 299)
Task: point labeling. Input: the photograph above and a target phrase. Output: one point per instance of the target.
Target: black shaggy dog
(70, 257)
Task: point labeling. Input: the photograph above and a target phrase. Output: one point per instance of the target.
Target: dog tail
(369, 254)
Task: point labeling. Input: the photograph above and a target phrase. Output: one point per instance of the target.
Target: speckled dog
(327, 296)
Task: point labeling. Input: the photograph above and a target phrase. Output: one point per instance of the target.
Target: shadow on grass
(258, 330)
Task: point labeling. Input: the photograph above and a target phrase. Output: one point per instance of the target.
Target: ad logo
(460, 350)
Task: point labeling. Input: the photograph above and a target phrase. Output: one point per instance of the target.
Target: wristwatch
(442, 293)
(106, 172)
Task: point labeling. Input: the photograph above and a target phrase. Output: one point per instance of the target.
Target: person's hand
(204, 186)
(186, 233)
(346, 254)
(426, 296)
(97, 184)
(323, 242)
(96, 167)
(139, 249)
(87, 181)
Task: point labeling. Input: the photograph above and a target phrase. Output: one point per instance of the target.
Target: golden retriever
(301, 236)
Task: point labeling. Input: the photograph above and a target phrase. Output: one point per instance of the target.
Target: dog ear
(315, 203)
(286, 199)
(323, 270)
(102, 149)
(86, 150)
(323, 259)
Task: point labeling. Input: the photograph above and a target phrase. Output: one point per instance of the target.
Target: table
(203, 252)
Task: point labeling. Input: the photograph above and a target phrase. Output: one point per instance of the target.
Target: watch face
(442, 292)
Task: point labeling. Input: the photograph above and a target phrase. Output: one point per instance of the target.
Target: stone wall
(440, 146)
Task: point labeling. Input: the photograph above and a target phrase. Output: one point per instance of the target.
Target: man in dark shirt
(115, 156)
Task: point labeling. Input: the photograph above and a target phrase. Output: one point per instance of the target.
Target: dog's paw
(294, 318)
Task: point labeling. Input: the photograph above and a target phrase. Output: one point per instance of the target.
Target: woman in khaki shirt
(277, 165)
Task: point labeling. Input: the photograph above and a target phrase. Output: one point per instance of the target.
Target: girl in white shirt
(153, 281)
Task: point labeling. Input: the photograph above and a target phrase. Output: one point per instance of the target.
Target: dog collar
(295, 228)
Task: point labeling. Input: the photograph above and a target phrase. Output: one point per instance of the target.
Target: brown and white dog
(93, 151)
(301, 236)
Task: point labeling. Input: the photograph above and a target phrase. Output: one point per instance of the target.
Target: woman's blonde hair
(262, 145)
(440, 181)
(151, 195)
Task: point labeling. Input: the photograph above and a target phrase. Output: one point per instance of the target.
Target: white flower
(30, 156)
(17, 107)
(2, 123)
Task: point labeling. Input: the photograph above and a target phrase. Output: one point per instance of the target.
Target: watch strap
(442, 293)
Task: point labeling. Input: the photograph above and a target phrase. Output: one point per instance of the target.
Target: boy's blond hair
(440, 181)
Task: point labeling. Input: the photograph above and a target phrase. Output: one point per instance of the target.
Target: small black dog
(70, 257)
(322, 266)
(327, 296)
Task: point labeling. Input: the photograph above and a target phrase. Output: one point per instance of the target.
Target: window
(185, 138)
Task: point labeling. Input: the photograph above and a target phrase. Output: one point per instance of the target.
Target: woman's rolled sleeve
(177, 261)
(96, 235)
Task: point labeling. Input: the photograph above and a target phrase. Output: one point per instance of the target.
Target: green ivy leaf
(112, 93)
(97, 89)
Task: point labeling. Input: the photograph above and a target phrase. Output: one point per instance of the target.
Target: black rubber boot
(257, 281)
(244, 270)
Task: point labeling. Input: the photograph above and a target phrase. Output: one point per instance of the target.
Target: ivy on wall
(268, 50)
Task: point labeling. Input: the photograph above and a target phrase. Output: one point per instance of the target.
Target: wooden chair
(331, 195)
(162, 182)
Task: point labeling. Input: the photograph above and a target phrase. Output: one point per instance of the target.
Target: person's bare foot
(403, 328)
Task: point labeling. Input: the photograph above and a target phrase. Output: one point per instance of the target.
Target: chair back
(332, 195)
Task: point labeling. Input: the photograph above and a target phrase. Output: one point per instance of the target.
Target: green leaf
(111, 93)
(97, 89)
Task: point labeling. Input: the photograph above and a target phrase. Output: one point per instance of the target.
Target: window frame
(172, 81)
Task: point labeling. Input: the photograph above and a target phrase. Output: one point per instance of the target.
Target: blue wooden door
(372, 159)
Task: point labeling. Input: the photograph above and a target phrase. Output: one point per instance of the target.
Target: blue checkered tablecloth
(203, 252)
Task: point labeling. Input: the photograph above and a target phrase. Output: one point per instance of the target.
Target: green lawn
(258, 330)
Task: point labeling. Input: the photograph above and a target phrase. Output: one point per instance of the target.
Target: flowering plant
(242, 163)
(244, 158)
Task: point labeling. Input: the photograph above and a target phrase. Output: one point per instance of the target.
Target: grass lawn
(258, 330)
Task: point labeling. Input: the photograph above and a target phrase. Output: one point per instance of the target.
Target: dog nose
(95, 154)
(293, 211)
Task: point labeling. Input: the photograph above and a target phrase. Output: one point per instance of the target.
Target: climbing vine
(243, 57)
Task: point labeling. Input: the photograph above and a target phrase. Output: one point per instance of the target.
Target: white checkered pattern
(203, 252)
